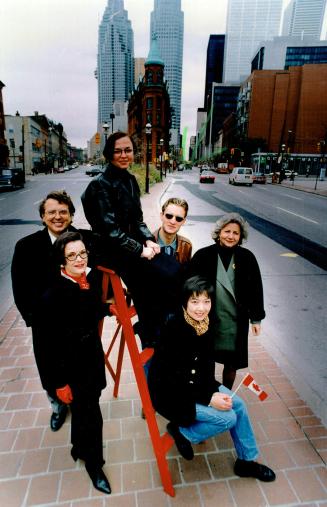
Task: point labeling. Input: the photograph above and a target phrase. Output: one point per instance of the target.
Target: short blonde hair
(231, 218)
(177, 202)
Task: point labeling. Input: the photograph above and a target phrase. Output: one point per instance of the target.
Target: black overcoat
(248, 292)
(72, 353)
(182, 371)
(33, 270)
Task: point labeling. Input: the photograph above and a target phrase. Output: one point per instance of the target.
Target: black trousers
(155, 286)
(86, 427)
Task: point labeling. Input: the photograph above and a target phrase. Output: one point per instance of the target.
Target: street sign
(97, 138)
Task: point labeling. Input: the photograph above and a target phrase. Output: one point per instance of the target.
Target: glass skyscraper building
(304, 17)
(167, 26)
(249, 22)
(115, 69)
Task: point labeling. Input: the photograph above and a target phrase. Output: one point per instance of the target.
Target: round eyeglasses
(73, 256)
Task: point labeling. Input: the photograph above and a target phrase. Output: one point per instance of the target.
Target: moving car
(95, 170)
(241, 176)
(11, 178)
(259, 178)
(206, 177)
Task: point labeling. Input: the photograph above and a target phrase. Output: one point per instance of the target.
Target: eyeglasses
(119, 152)
(53, 212)
(73, 256)
(169, 216)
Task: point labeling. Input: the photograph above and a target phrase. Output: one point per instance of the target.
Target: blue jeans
(210, 422)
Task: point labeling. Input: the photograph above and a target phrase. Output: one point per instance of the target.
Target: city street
(284, 224)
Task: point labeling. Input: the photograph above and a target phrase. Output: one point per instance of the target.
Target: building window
(149, 103)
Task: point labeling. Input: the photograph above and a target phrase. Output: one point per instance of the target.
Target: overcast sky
(49, 48)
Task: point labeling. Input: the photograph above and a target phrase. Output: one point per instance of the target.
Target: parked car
(241, 176)
(207, 177)
(95, 170)
(259, 178)
(11, 178)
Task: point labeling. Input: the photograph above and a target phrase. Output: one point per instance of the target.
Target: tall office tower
(249, 22)
(304, 17)
(167, 25)
(214, 66)
(115, 70)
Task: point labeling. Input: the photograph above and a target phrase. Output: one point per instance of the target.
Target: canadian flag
(249, 382)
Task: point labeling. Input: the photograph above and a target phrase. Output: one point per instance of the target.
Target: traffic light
(318, 147)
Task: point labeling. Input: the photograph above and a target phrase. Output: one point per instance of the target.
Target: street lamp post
(50, 159)
(148, 132)
(112, 117)
(281, 170)
(105, 127)
(161, 155)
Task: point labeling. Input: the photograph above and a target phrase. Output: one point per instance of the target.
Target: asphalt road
(294, 283)
(288, 234)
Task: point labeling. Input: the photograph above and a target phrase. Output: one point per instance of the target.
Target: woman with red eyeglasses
(112, 207)
(70, 312)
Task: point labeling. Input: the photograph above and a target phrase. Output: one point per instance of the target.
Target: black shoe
(253, 469)
(57, 420)
(182, 444)
(98, 478)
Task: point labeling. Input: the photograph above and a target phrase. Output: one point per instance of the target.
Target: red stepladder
(122, 310)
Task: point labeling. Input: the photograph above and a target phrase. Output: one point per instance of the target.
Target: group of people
(195, 311)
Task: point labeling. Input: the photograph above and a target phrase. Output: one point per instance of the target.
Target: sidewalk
(307, 185)
(36, 467)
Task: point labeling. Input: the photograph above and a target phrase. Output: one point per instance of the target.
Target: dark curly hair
(60, 244)
(62, 197)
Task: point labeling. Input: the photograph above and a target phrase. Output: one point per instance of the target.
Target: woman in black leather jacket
(112, 207)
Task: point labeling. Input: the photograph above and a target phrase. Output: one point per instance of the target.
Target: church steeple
(154, 57)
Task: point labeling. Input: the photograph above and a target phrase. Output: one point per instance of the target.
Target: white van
(241, 176)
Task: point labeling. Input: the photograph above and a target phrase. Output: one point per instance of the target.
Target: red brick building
(150, 103)
(285, 107)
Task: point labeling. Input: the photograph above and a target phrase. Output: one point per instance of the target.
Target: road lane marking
(289, 254)
(300, 216)
(37, 202)
(292, 197)
(2, 198)
(24, 191)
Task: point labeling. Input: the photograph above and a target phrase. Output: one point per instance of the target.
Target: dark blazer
(248, 291)
(112, 207)
(33, 270)
(182, 371)
(72, 353)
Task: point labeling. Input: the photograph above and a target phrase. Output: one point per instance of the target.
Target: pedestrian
(112, 207)
(74, 355)
(33, 271)
(173, 216)
(184, 390)
(235, 274)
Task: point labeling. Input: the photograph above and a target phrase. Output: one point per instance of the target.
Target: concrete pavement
(36, 467)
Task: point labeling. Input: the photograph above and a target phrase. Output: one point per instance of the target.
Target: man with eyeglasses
(33, 270)
(173, 216)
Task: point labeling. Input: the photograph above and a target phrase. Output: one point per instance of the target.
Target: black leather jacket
(112, 207)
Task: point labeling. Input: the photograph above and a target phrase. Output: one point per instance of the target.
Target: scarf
(200, 327)
(81, 280)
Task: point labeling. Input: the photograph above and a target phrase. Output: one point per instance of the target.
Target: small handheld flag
(249, 382)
